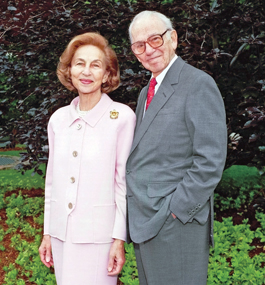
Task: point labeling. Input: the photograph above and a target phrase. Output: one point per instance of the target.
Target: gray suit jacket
(178, 153)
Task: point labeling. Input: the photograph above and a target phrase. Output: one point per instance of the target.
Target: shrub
(223, 38)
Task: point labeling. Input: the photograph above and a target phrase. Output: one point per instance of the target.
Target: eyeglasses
(154, 41)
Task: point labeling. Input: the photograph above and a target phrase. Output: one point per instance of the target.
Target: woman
(89, 142)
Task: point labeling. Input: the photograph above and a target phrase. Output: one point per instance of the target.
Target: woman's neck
(88, 102)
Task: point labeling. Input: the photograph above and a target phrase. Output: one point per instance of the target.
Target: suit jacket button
(127, 171)
(70, 205)
(72, 179)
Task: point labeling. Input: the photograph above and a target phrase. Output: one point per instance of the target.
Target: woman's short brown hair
(95, 39)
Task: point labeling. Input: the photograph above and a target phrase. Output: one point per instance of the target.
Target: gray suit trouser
(178, 255)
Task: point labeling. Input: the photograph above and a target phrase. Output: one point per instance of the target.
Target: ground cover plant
(238, 256)
(21, 220)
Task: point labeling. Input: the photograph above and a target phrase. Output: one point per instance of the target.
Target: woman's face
(88, 70)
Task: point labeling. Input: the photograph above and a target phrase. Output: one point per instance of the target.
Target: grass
(11, 179)
(11, 152)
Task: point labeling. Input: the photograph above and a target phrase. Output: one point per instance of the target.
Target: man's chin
(156, 69)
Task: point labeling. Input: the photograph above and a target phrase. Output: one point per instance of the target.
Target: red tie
(151, 92)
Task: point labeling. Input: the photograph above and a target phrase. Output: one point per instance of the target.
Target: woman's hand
(116, 257)
(45, 251)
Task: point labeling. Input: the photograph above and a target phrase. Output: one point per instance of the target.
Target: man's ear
(174, 39)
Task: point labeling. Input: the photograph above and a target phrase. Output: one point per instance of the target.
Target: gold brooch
(114, 114)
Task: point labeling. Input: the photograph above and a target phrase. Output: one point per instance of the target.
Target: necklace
(80, 113)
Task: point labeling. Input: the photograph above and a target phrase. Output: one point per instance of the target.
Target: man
(176, 160)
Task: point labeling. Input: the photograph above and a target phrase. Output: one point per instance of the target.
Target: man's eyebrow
(154, 34)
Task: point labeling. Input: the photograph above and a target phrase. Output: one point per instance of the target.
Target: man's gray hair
(146, 14)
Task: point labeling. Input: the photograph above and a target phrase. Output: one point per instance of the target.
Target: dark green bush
(240, 185)
(225, 38)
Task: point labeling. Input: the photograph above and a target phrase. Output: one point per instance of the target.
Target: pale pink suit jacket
(85, 176)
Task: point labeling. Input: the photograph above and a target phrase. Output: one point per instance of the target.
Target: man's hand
(45, 251)
(116, 257)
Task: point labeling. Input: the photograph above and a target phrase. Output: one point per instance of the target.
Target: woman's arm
(124, 142)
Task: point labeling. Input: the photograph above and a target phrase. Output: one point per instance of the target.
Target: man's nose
(149, 49)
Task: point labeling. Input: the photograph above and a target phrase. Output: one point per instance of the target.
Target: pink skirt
(81, 264)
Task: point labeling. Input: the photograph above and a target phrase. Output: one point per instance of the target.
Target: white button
(79, 126)
(75, 153)
(72, 180)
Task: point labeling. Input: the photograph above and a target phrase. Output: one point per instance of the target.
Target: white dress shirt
(161, 77)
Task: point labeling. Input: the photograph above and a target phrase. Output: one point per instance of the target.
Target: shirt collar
(162, 75)
(94, 115)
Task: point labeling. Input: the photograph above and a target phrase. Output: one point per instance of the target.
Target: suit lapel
(164, 92)
(140, 107)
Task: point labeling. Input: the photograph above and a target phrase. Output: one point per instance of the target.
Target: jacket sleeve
(48, 180)
(206, 124)
(124, 142)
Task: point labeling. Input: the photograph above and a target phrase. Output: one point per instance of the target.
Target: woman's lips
(85, 81)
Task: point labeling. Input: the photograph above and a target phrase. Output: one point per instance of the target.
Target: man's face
(155, 60)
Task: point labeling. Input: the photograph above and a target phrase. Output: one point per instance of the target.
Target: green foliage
(240, 175)
(11, 275)
(29, 264)
(260, 232)
(12, 153)
(129, 271)
(18, 208)
(224, 38)
(11, 179)
(238, 186)
(230, 262)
